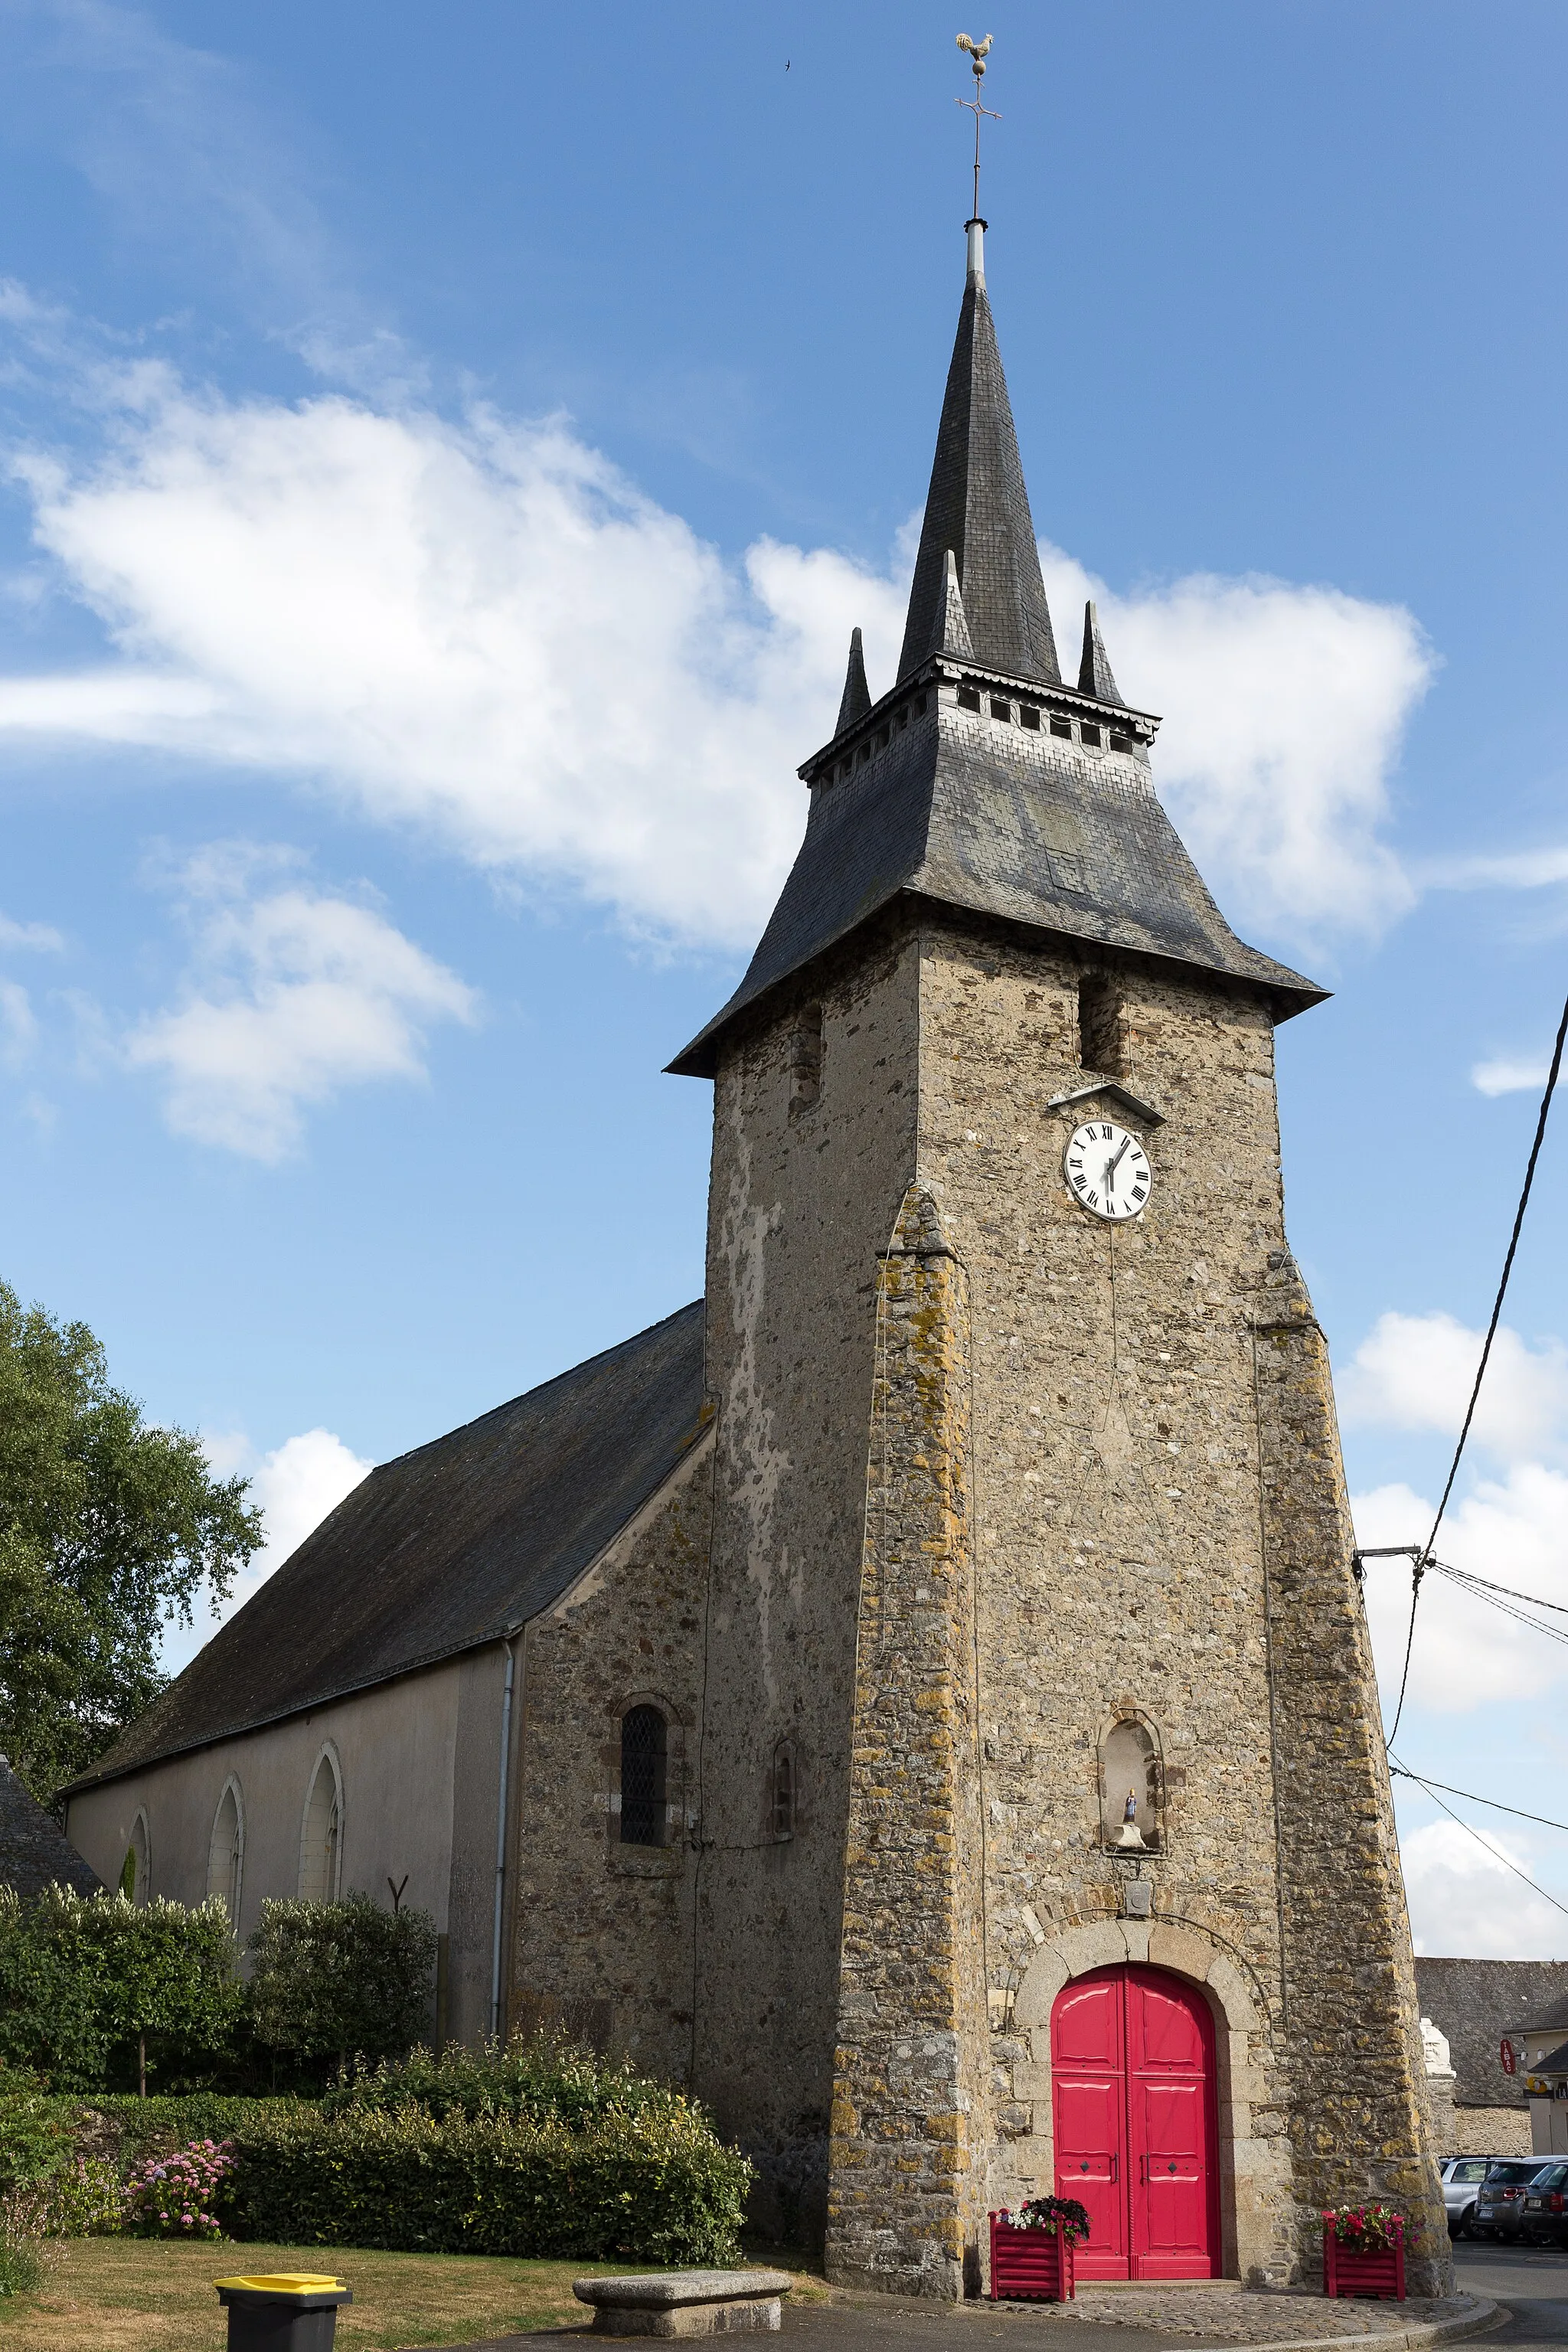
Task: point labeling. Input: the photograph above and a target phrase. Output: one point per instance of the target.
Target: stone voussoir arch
(1255, 2171)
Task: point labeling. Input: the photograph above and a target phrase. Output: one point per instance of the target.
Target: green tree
(88, 1985)
(109, 1526)
(333, 1982)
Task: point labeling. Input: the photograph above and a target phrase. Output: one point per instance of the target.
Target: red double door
(1133, 2088)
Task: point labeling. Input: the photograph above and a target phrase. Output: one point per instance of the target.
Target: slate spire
(1094, 676)
(977, 507)
(857, 698)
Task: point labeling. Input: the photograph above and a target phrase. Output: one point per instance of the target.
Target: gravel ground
(1237, 2315)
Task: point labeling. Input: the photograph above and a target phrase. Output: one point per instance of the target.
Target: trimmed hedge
(641, 2188)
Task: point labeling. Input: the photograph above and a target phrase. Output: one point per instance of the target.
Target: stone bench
(686, 2303)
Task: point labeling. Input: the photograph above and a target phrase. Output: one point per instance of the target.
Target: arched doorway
(1132, 2097)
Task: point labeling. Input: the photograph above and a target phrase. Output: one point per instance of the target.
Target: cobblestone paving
(1248, 2314)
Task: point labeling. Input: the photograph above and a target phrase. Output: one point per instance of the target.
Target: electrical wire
(1401, 1773)
(1418, 1568)
(1470, 1831)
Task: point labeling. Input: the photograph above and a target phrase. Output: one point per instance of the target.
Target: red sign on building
(1505, 2052)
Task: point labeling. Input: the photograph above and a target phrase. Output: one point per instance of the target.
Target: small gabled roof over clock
(982, 781)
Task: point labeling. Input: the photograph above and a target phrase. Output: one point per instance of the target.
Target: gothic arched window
(225, 1850)
(644, 1747)
(320, 1838)
(136, 1870)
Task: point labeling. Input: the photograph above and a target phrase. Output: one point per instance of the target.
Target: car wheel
(1465, 2227)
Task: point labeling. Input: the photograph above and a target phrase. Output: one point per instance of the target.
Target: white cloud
(294, 995)
(1467, 1651)
(41, 937)
(1284, 708)
(1506, 1076)
(1415, 1371)
(297, 1485)
(486, 631)
(1465, 1902)
(19, 1024)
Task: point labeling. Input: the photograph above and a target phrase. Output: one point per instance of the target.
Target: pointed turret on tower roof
(978, 506)
(1094, 676)
(855, 701)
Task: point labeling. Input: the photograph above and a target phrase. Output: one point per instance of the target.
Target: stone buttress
(910, 2069)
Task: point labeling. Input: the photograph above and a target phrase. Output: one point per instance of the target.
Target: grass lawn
(139, 2295)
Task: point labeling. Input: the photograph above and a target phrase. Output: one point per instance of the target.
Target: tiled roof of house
(35, 1851)
(444, 1548)
(1477, 2003)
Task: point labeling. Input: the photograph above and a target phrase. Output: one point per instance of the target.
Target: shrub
(333, 1980)
(85, 1978)
(652, 2187)
(543, 2077)
(174, 2196)
(35, 2139)
(84, 2199)
(22, 2262)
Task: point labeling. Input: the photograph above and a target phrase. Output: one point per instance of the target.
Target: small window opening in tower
(1100, 1026)
(884, 737)
(1029, 717)
(806, 1060)
(1003, 710)
(1062, 726)
(644, 1747)
(1090, 733)
(919, 705)
(1122, 743)
(783, 1789)
(903, 718)
(969, 697)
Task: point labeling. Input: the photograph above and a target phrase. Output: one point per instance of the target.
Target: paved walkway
(1142, 2319)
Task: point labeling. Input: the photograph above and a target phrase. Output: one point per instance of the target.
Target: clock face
(1107, 1171)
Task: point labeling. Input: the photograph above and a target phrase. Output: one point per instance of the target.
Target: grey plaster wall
(398, 1747)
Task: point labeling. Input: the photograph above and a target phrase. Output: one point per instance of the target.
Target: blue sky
(443, 453)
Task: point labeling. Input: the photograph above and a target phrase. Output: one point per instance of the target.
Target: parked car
(1545, 2207)
(1500, 2200)
(1461, 2176)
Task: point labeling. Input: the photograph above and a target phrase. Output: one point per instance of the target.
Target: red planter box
(1029, 2265)
(1348, 2271)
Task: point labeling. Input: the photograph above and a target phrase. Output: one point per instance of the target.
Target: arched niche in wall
(1132, 1785)
(321, 1831)
(226, 1849)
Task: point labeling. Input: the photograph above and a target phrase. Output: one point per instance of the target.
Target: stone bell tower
(1031, 1574)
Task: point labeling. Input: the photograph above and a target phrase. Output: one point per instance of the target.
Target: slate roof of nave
(444, 1548)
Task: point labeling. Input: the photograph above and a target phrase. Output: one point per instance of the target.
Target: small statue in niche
(1130, 1834)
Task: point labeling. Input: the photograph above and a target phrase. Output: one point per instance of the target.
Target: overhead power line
(1402, 1773)
(1418, 1567)
(1470, 1831)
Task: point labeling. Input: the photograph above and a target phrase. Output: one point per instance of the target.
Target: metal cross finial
(977, 52)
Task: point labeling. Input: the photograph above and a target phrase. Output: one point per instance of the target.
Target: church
(918, 1696)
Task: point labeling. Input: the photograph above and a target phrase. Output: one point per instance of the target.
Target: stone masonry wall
(803, 1202)
(905, 2199)
(1117, 1506)
(601, 1932)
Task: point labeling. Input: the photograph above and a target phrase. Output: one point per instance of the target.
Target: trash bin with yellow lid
(282, 2311)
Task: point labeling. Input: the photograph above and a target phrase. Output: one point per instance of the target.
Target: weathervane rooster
(976, 54)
